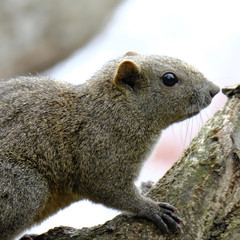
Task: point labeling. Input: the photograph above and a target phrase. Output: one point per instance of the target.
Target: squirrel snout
(214, 90)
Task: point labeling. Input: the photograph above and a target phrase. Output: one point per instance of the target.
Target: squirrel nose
(214, 90)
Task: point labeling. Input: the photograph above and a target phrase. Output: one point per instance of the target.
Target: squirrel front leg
(130, 200)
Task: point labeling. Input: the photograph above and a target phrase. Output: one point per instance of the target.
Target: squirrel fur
(61, 143)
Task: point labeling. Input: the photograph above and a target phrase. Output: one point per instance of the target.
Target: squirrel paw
(165, 218)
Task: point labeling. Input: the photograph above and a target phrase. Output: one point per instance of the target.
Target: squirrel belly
(60, 143)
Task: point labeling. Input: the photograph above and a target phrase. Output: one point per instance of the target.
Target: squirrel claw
(166, 218)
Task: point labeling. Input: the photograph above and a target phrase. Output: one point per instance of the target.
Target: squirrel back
(61, 143)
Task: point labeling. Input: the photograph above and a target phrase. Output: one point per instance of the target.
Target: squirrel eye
(169, 79)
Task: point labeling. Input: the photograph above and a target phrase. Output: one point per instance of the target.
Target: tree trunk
(204, 185)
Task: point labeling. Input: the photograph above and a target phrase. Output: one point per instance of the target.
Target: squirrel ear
(127, 75)
(131, 53)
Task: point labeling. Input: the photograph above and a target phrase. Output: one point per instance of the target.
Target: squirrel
(60, 143)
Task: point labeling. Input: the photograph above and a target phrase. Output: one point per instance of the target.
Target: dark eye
(169, 79)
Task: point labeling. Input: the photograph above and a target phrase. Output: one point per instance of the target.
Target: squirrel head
(162, 88)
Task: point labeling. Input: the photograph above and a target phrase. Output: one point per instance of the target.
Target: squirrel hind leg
(22, 194)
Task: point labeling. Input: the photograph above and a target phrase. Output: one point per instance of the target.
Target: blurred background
(70, 40)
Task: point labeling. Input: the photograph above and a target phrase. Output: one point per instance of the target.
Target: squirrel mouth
(189, 115)
(193, 113)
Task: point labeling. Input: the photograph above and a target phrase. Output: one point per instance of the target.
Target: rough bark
(204, 185)
(35, 35)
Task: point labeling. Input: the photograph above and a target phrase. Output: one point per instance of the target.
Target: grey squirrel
(61, 143)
